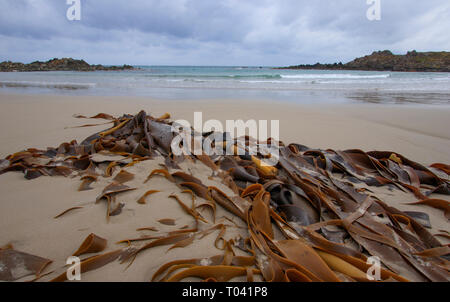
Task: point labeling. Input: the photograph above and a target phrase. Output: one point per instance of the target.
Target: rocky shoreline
(387, 61)
(64, 64)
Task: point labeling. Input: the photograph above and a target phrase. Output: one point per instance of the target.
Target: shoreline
(208, 82)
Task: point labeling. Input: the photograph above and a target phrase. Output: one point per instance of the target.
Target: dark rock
(64, 64)
(386, 61)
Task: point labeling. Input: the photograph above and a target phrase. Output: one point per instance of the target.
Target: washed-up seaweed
(92, 244)
(123, 176)
(16, 264)
(141, 200)
(95, 262)
(67, 211)
(167, 221)
(322, 202)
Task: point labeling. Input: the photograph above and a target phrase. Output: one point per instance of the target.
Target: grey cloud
(222, 32)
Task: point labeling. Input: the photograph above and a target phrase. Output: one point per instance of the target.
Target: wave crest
(56, 85)
(335, 76)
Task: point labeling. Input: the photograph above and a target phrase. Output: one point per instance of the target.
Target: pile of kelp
(319, 200)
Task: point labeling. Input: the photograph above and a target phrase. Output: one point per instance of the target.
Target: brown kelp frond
(315, 215)
(443, 205)
(104, 116)
(67, 211)
(167, 221)
(95, 262)
(87, 180)
(170, 239)
(221, 273)
(112, 189)
(163, 172)
(141, 200)
(16, 264)
(193, 212)
(219, 267)
(123, 176)
(92, 244)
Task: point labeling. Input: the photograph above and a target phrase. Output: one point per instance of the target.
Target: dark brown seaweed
(15, 264)
(92, 244)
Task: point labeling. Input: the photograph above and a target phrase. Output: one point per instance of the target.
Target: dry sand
(27, 207)
(419, 132)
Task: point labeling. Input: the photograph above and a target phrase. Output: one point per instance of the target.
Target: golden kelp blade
(67, 211)
(141, 200)
(92, 244)
(221, 273)
(112, 130)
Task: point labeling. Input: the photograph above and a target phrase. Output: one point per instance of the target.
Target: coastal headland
(64, 64)
(412, 61)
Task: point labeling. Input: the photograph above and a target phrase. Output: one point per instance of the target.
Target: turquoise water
(199, 82)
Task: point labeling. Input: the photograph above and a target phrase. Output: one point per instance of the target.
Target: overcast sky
(219, 32)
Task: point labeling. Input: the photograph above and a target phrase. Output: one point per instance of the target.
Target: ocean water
(199, 82)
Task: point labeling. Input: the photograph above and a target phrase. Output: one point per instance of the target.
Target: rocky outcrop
(64, 64)
(387, 61)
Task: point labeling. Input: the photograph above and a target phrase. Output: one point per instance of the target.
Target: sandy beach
(28, 207)
(418, 132)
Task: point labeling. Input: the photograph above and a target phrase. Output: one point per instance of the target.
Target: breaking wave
(54, 85)
(335, 76)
